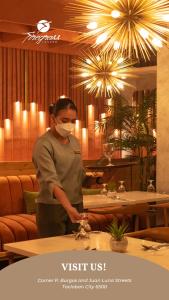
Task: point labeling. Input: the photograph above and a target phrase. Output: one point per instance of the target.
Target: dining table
(125, 198)
(98, 241)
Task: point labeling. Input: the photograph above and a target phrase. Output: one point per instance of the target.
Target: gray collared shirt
(58, 164)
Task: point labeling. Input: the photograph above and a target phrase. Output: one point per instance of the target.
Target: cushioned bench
(15, 223)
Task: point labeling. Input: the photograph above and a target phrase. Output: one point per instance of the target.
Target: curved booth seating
(101, 221)
(15, 223)
(164, 207)
(135, 211)
(160, 234)
(18, 227)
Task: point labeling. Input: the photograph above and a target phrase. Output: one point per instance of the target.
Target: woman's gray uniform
(57, 164)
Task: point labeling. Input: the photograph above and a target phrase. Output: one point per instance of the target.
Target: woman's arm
(64, 201)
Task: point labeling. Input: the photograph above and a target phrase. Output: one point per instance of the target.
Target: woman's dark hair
(62, 103)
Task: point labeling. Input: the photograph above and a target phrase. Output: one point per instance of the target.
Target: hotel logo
(39, 36)
(43, 25)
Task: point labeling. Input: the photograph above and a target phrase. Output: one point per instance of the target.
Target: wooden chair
(160, 234)
(164, 207)
(136, 210)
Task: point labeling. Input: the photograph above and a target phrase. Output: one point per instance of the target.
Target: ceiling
(18, 17)
(31, 11)
(15, 14)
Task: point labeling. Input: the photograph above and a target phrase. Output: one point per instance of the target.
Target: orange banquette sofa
(15, 223)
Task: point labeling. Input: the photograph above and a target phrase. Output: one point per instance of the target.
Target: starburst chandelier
(131, 27)
(102, 74)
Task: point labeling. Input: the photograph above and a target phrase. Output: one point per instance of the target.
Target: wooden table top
(127, 198)
(115, 163)
(99, 240)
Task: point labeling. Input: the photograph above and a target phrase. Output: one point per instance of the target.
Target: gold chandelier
(131, 27)
(102, 74)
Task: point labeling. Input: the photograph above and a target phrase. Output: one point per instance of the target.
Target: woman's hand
(73, 214)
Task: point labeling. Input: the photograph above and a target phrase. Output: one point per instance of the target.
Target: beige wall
(163, 120)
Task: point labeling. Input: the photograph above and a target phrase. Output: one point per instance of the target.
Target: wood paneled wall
(36, 77)
(40, 77)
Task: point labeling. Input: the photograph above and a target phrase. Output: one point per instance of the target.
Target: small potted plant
(118, 241)
(111, 187)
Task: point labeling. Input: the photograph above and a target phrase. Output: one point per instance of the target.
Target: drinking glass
(121, 188)
(108, 150)
(150, 187)
(104, 189)
(84, 222)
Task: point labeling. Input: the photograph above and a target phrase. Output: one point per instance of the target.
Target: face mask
(64, 129)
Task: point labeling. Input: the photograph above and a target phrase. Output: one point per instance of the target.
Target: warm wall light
(84, 133)
(85, 143)
(1, 144)
(24, 117)
(33, 107)
(90, 114)
(41, 117)
(62, 96)
(42, 122)
(7, 128)
(7, 124)
(25, 124)
(78, 130)
(91, 125)
(16, 125)
(97, 140)
(33, 118)
(17, 108)
(1, 133)
(33, 123)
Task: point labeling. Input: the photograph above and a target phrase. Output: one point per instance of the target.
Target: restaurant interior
(112, 60)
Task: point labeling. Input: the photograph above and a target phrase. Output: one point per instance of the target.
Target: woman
(58, 163)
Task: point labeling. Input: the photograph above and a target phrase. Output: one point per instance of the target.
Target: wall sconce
(7, 128)
(42, 122)
(78, 130)
(17, 108)
(1, 143)
(85, 143)
(33, 107)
